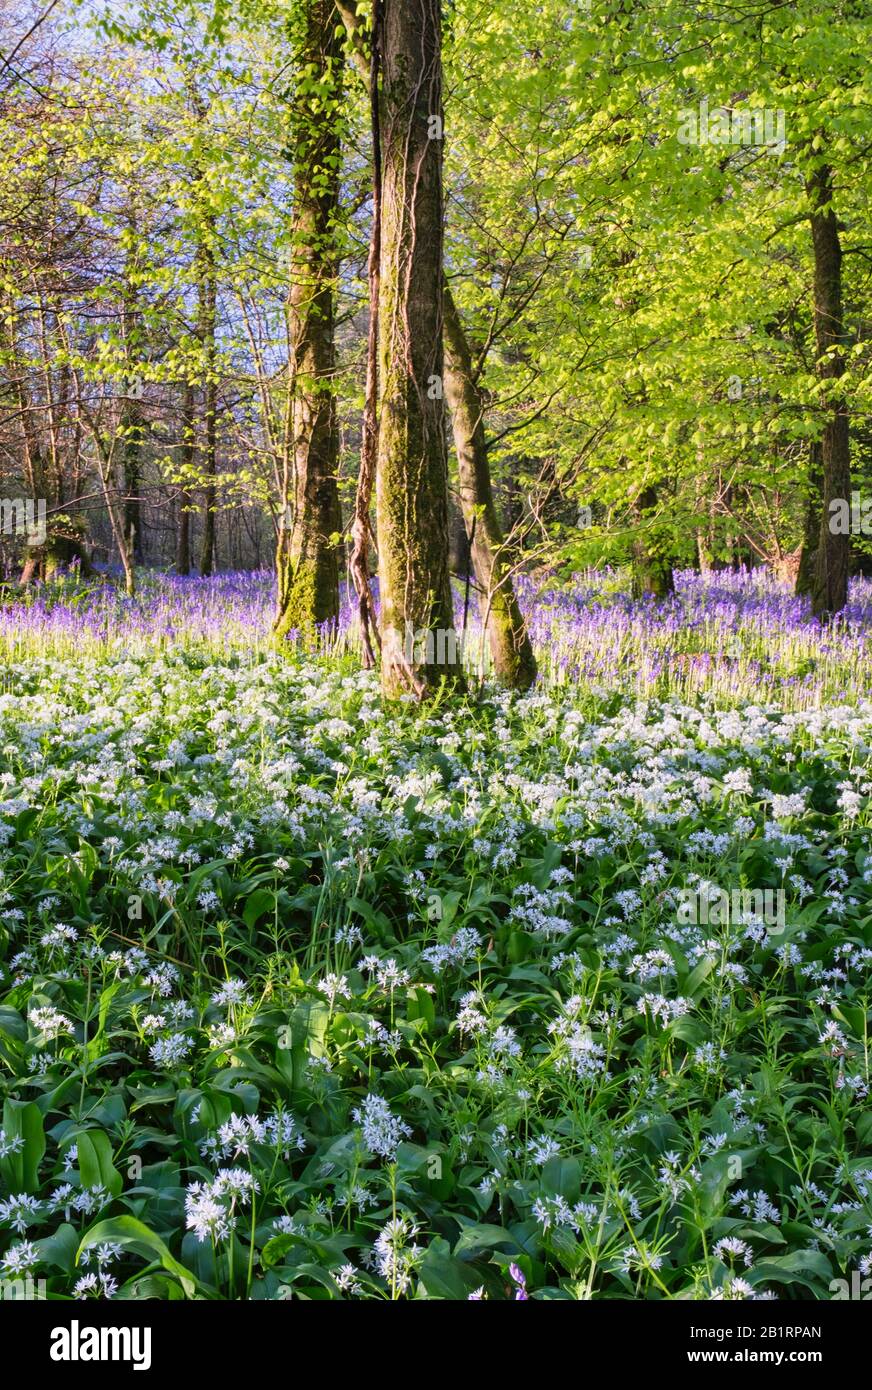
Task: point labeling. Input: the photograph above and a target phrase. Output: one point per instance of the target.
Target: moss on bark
(510, 647)
(307, 557)
(829, 585)
(412, 470)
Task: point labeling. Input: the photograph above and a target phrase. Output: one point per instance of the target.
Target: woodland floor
(305, 997)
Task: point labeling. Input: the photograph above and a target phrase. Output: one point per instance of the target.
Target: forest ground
(558, 995)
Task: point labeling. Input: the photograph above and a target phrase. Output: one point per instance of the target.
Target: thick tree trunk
(58, 554)
(361, 524)
(511, 651)
(830, 585)
(652, 570)
(307, 556)
(419, 645)
(805, 576)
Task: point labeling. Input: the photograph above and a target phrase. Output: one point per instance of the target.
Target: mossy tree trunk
(57, 554)
(43, 476)
(187, 450)
(307, 554)
(361, 521)
(704, 554)
(418, 642)
(511, 650)
(652, 568)
(829, 591)
(206, 333)
(133, 428)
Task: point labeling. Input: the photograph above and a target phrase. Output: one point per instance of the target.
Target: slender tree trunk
(704, 510)
(704, 557)
(35, 471)
(183, 537)
(459, 549)
(133, 426)
(114, 507)
(186, 455)
(419, 647)
(832, 565)
(511, 650)
(133, 422)
(307, 557)
(208, 296)
(30, 569)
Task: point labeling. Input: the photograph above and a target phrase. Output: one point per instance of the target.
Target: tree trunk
(133, 422)
(511, 651)
(830, 585)
(652, 571)
(56, 555)
(133, 426)
(705, 512)
(186, 453)
(307, 556)
(704, 556)
(361, 523)
(805, 575)
(459, 550)
(206, 329)
(419, 645)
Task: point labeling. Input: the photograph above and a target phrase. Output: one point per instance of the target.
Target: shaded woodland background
(656, 352)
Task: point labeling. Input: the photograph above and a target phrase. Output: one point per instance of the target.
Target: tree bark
(206, 333)
(419, 645)
(830, 585)
(511, 650)
(307, 555)
(361, 526)
(805, 575)
(133, 426)
(186, 453)
(133, 423)
(652, 571)
(704, 556)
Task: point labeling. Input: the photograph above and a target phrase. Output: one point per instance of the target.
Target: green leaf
(94, 1161)
(12, 1024)
(562, 1177)
(808, 1267)
(60, 1248)
(476, 1238)
(442, 1276)
(136, 1236)
(696, 977)
(421, 1006)
(853, 1016)
(20, 1170)
(261, 901)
